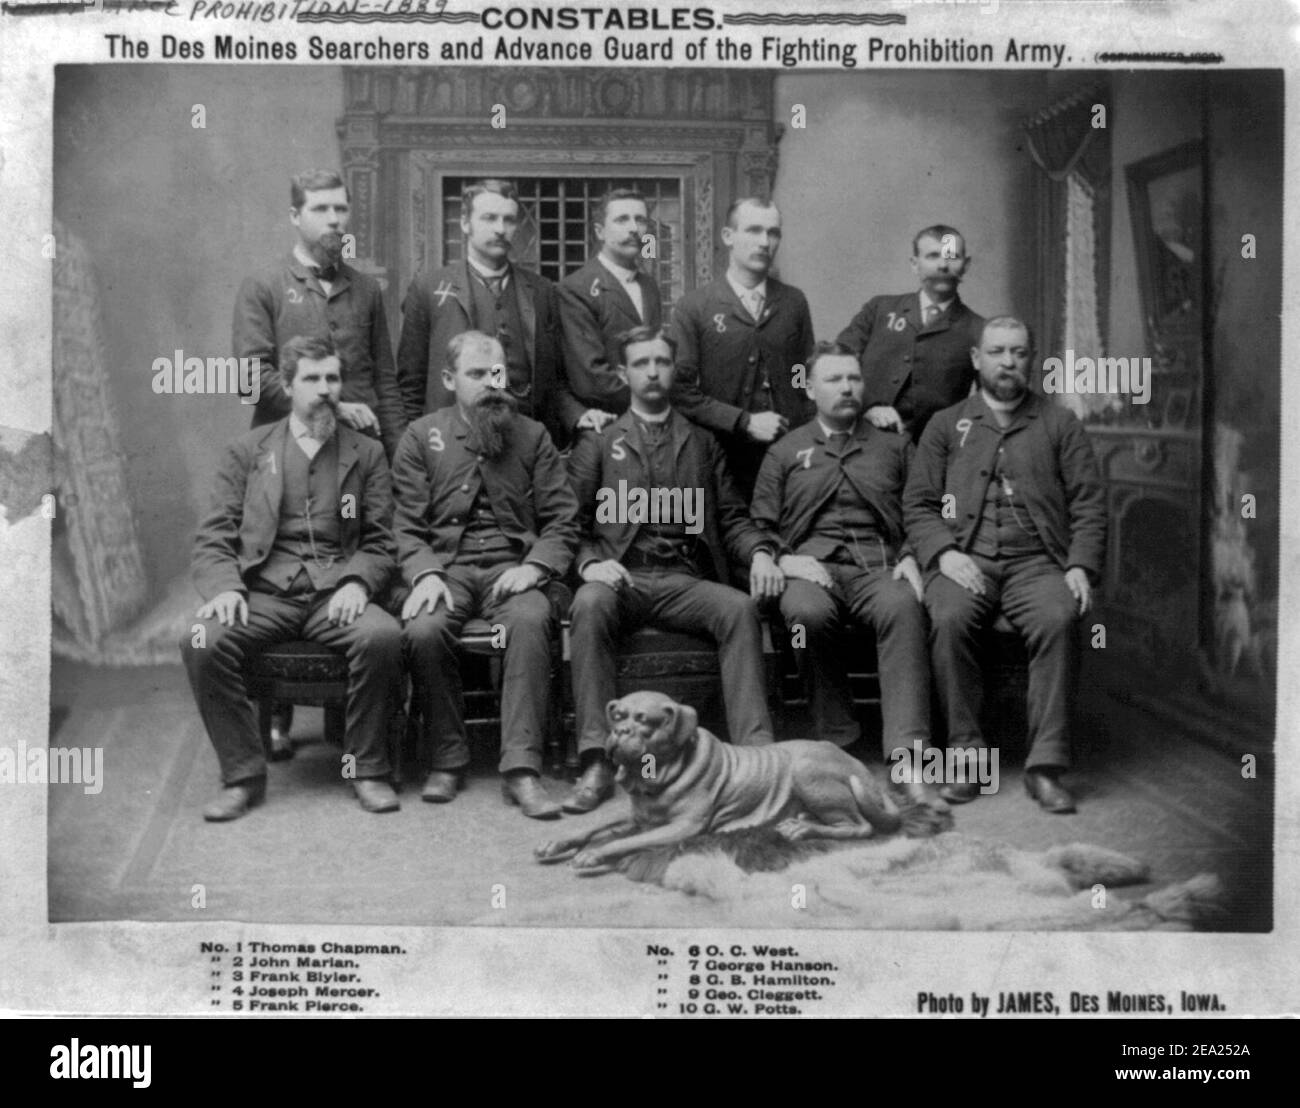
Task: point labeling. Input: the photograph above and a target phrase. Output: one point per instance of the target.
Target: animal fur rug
(950, 882)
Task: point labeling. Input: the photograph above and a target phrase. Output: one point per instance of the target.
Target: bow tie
(325, 272)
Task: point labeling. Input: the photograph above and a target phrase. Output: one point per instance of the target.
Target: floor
(139, 849)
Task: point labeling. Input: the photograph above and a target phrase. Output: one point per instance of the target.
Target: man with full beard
(297, 542)
(485, 518)
(832, 490)
(1006, 510)
(313, 291)
(914, 347)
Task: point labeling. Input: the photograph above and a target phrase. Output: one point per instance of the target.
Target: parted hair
(488, 184)
(644, 333)
(314, 347)
(312, 180)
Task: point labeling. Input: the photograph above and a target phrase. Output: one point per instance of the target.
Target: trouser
(214, 659)
(890, 609)
(430, 642)
(675, 601)
(1032, 593)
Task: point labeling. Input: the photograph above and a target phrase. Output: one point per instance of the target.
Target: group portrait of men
(902, 478)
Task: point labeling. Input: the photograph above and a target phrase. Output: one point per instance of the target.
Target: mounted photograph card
(843, 447)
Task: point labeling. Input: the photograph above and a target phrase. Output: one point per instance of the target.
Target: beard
(329, 248)
(322, 421)
(1007, 388)
(492, 419)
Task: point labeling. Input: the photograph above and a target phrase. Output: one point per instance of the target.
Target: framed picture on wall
(1166, 198)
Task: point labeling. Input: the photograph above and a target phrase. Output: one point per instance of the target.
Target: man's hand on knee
(961, 569)
(428, 592)
(347, 603)
(226, 607)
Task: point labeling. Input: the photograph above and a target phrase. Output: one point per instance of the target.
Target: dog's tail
(916, 821)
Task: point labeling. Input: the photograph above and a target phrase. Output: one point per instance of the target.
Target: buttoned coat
(1048, 460)
(723, 353)
(437, 474)
(594, 310)
(893, 346)
(799, 478)
(439, 305)
(619, 454)
(285, 301)
(236, 535)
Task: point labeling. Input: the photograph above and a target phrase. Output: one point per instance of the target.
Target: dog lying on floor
(685, 782)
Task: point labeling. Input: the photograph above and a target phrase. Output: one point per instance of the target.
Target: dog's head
(648, 732)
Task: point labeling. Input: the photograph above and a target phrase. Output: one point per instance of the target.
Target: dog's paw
(793, 830)
(589, 863)
(552, 852)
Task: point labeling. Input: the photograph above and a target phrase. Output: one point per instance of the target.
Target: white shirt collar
(627, 276)
(646, 417)
(296, 425)
(828, 431)
(742, 293)
(927, 300)
(483, 271)
(1002, 405)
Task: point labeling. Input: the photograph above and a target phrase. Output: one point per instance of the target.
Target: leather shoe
(525, 790)
(1051, 795)
(376, 794)
(594, 787)
(959, 792)
(441, 786)
(234, 800)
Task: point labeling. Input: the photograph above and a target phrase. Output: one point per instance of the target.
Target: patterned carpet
(139, 849)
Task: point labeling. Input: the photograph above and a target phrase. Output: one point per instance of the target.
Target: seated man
(1005, 509)
(665, 566)
(297, 543)
(485, 518)
(832, 490)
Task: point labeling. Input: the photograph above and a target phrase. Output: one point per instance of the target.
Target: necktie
(931, 313)
(754, 302)
(326, 273)
(495, 284)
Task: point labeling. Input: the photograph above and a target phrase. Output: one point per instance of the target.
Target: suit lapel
(270, 465)
(347, 456)
(462, 291)
(527, 311)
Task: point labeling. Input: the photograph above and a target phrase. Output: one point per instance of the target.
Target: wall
(174, 217)
(885, 154)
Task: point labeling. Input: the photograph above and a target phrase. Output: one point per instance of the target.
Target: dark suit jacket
(799, 477)
(722, 353)
(618, 454)
(439, 306)
(1049, 461)
(235, 537)
(893, 347)
(286, 300)
(594, 310)
(437, 474)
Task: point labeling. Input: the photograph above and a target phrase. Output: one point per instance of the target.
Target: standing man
(485, 292)
(485, 518)
(1006, 510)
(314, 292)
(607, 296)
(832, 490)
(667, 567)
(739, 339)
(915, 348)
(295, 546)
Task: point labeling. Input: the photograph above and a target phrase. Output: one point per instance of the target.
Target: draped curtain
(1073, 154)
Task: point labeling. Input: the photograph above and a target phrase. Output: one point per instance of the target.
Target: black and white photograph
(825, 497)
